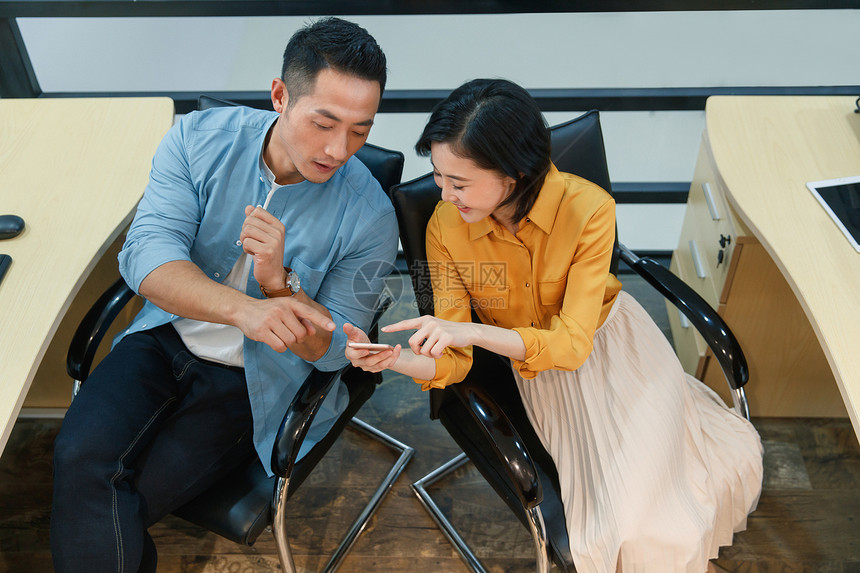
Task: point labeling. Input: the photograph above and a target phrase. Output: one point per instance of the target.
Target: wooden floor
(808, 519)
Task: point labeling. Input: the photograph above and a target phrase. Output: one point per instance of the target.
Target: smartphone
(370, 346)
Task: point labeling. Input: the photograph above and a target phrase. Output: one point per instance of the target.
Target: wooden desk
(74, 169)
(759, 153)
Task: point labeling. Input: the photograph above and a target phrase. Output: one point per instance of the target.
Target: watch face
(293, 282)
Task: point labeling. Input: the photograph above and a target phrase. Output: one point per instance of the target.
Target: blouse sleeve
(451, 301)
(569, 339)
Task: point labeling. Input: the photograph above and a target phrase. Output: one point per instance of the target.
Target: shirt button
(528, 220)
(527, 285)
(238, 243)
(217, 275)
(533, 324)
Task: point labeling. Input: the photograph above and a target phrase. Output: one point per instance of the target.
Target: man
(247, 246)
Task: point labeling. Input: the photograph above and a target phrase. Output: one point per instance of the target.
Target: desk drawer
(690, 262)
(711, 224)
(789, 374)
(689, 345)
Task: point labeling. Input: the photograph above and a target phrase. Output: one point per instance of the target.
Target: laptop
(841, 199)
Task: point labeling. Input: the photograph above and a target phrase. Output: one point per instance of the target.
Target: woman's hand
(368, 360)
(433, 335)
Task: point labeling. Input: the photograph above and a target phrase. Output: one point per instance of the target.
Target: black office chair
(484, 413)
(247, 501)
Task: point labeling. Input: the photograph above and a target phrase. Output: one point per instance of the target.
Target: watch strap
(286, 291)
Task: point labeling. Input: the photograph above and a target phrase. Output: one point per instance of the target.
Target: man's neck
(273, 160)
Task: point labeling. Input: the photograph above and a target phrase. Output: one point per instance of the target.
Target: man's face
(323, 129)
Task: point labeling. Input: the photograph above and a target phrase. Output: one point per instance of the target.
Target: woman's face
(475, 191)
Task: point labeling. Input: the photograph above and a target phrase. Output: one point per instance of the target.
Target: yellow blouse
(550, 282)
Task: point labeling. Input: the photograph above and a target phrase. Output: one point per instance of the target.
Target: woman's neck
(504, 217)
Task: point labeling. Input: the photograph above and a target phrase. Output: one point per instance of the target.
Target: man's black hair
(332, 43)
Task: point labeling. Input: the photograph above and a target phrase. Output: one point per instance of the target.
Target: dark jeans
(151, 428)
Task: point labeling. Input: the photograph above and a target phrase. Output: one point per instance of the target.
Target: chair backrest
(577, 147)
(414, 202)
(386, 165)
(208, 102)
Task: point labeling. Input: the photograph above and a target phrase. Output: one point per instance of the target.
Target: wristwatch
(292, 284)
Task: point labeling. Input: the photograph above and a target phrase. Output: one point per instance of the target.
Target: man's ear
(280, 97)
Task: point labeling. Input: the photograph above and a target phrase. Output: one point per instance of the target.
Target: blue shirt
(341, 240)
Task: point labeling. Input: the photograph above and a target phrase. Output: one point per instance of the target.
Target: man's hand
(281, 322)
(366, 359)
(262, 237)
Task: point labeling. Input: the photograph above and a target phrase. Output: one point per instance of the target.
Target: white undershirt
(223, 343)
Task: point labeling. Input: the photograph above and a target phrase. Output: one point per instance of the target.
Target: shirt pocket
(309, 277)
(489, 301)
(551, 293)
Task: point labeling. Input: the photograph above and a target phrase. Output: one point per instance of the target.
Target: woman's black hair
(499, 126)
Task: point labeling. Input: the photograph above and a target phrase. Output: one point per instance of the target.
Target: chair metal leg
(538, 531)
(279, 509)
(536, 524)
(740, 403)
(435, 512)
(279, 526)
(360, 523)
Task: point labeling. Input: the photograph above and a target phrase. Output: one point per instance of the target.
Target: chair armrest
(93, 327)
(712, 327)
(504, 441)
(298, 419)
(305, 404)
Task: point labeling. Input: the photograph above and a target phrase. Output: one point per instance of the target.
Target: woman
(656, 473)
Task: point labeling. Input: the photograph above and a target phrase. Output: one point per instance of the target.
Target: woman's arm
(569, 338)
(433, 335)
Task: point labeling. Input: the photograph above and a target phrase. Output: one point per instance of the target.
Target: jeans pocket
(181, 362)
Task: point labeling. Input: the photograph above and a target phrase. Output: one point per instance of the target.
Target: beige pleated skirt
(656, 472)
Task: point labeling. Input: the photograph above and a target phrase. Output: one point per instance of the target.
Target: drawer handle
(709, 199)
(697, 259)
(685, 322)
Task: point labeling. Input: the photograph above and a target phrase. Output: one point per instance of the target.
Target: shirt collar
(480, 228)
(542, 212)
(266, 175)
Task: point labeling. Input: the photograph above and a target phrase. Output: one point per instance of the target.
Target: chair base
(536, 524)
(280, 500)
